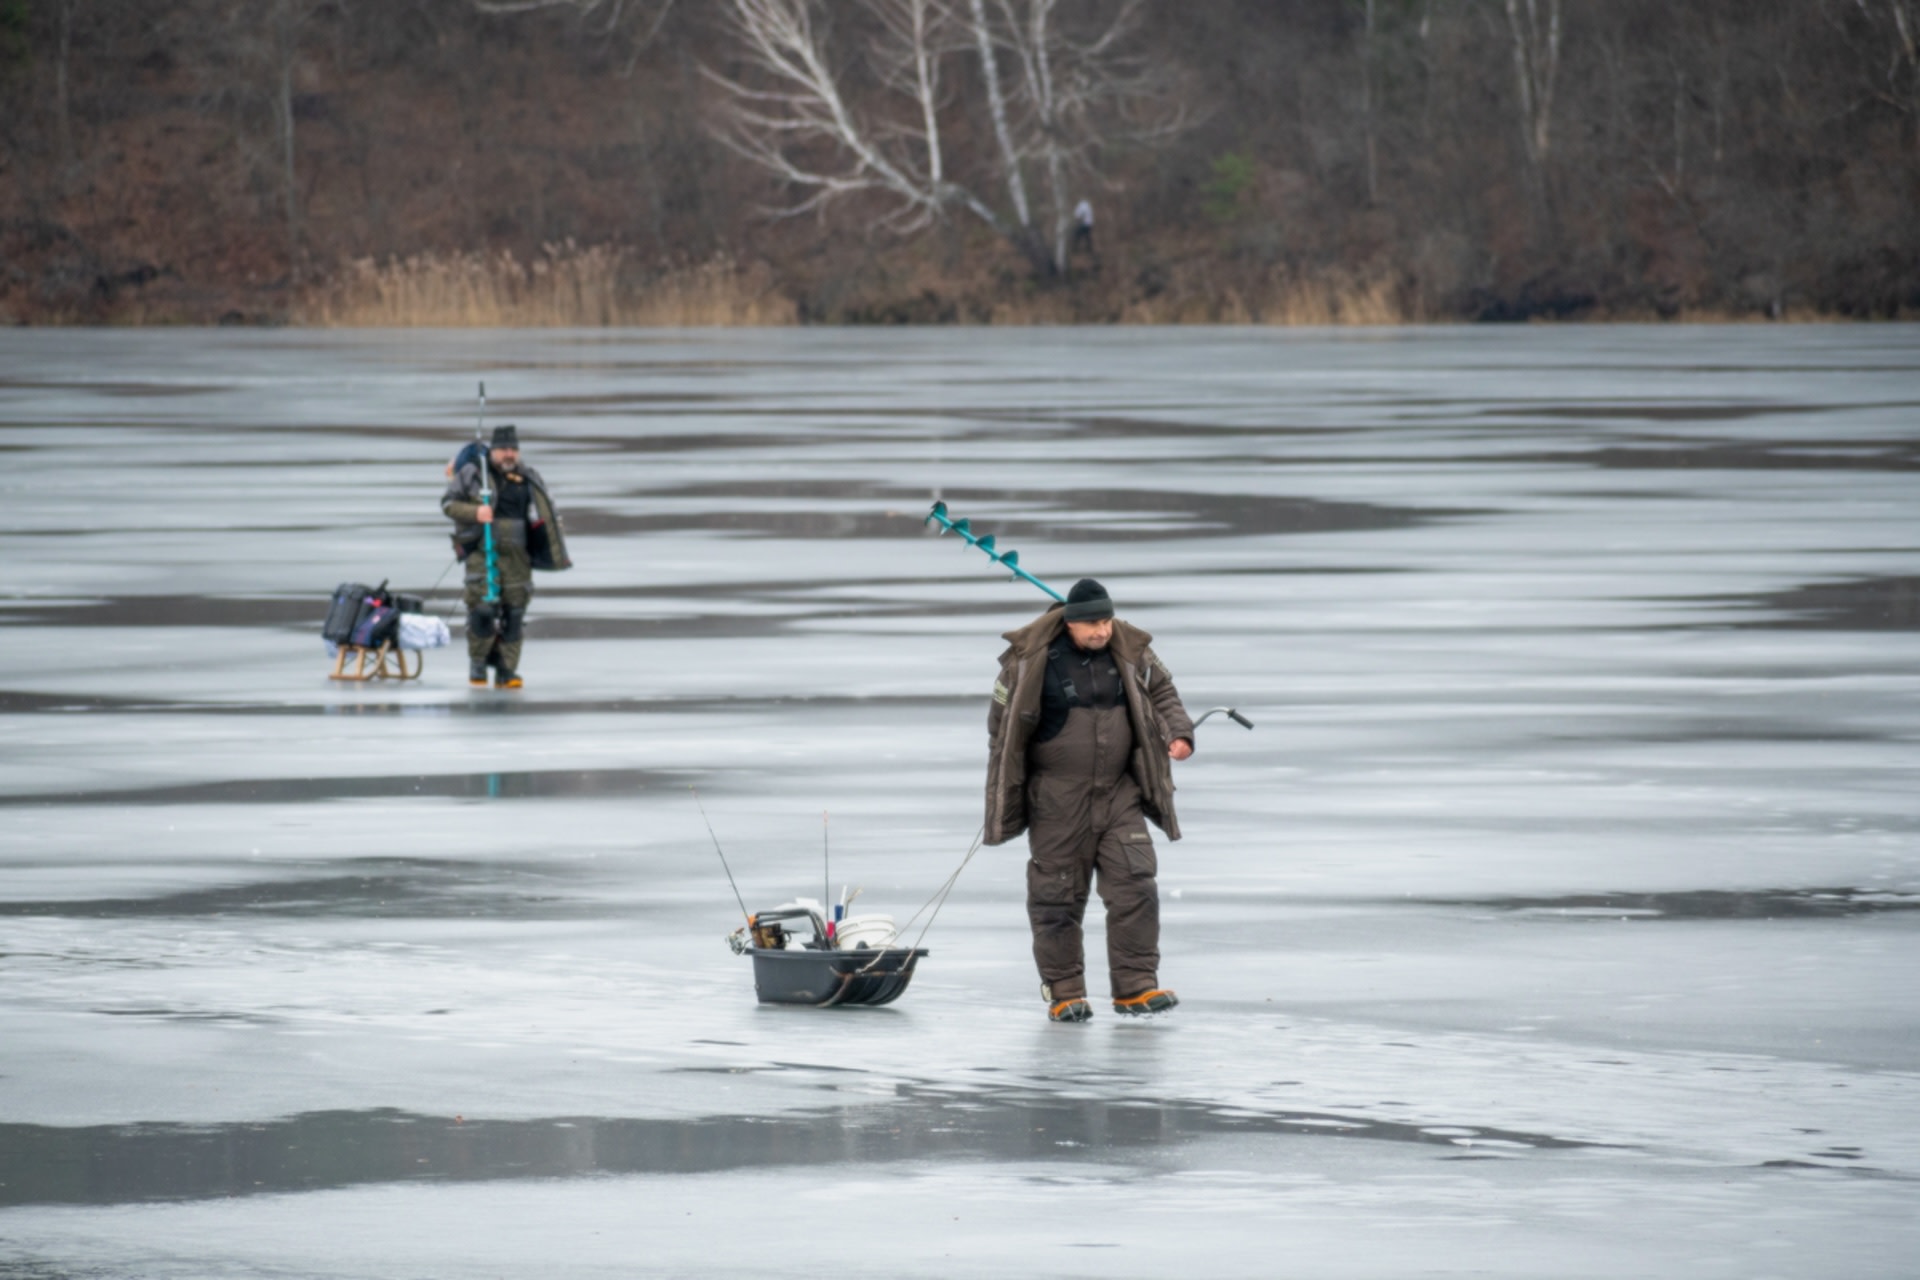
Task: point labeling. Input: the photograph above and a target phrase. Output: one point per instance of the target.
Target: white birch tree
(791, 113)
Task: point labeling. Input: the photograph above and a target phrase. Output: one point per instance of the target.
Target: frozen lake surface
(1559, 917)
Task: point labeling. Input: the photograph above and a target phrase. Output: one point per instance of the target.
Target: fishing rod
(723, 857)
(1228, 712)
(486, 498)
(1007, 559)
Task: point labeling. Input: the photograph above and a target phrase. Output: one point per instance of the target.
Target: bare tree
(252, 51)
(795, 122)
(1057, 101)
(1078, 93)
(997, 109)
(1367, 36)
(1535, 28)
(1895, 25)
(641, 20)
(62, 92)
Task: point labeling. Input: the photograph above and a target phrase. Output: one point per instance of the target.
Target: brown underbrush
(565, 285)
(1281, 297)
(1162, 280)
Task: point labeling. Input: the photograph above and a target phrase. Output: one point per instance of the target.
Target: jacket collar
(1129, 641)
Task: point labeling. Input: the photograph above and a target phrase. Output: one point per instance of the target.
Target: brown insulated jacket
(546, 540)
(1153, 705)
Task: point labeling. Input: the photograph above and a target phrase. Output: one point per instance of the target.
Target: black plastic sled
(788, 971)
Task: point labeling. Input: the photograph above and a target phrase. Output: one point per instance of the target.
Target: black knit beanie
(1088, 602)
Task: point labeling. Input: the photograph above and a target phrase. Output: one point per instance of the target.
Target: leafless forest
(778, 161)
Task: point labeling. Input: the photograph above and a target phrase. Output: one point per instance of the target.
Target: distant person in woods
(526, 536)
(1082, 229)
(1084, 725)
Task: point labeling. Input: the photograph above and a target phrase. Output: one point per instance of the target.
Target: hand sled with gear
(788, 969)
(363, 626)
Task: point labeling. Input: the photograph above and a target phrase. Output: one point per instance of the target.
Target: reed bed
(568, 285)
(565, 285)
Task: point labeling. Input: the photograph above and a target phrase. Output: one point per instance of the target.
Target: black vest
(513, 498)
(1075, 678)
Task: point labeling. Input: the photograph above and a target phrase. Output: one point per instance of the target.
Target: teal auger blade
(1009, 559)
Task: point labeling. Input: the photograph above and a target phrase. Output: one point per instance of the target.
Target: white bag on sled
(423, 631)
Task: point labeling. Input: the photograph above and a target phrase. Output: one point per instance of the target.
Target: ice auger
(1008, 559)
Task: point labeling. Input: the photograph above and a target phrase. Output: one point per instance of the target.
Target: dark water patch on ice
(307, 613)
(1690, 455)
(1706, 904)
(110, 1164)
(169, 611)
(640, 441)
(354, 702)
(1092, 427)
(1083, 515)
(160, 1014)
(360, 888)
(521, 785)
(804, 590)
(725, 626)
(1817, 1162)
(1728, 729)
(612, 402)
(143, 390)
(1680, 411)
(18, 701)
(1850, 604)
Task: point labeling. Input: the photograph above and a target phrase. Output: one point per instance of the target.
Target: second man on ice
(526, 536)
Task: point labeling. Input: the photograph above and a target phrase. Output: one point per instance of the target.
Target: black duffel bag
(349, 598)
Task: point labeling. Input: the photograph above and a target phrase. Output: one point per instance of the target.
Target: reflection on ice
(110, 1164)
(1716, 904)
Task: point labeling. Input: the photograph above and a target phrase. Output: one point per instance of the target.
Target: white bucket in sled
(855, 932)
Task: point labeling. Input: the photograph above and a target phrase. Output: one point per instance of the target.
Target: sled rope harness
(937, 901)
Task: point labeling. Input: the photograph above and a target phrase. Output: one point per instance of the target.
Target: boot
(1155, 1001)
(1074, 1010)
(477, 674)
(505, 679)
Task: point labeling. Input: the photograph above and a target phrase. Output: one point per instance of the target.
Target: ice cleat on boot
(1074, 1010)
(507, 680)
(1155, 1001)
(477, 674)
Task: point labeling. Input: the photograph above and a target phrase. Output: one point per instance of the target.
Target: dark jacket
(546, 540)
(1153, 706)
